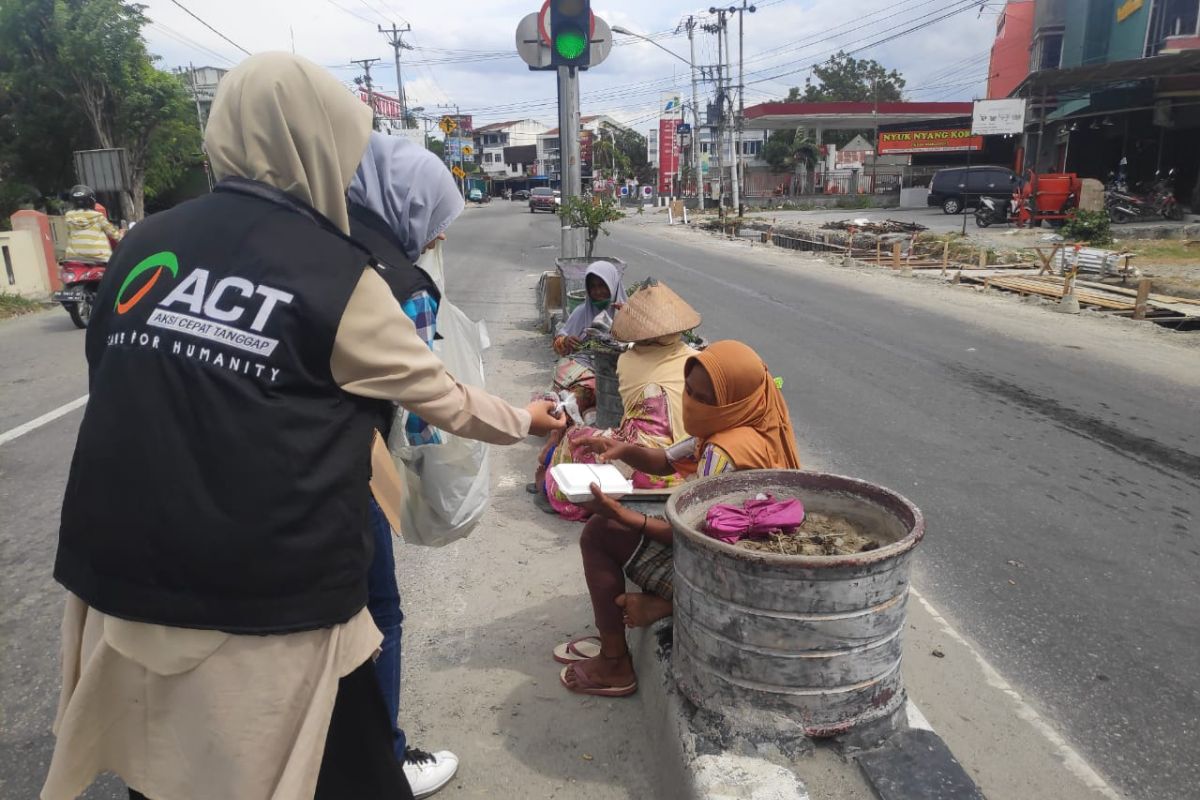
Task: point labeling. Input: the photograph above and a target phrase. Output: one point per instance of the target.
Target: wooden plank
(1143, 294)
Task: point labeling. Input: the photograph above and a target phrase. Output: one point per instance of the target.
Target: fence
(797, 184)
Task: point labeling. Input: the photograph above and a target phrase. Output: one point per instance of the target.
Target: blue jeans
(383, 601)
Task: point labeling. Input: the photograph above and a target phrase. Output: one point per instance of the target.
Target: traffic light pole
(568, 154)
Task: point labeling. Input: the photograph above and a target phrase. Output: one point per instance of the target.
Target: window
(1047, 49)
(1172, 18)
(752, 148)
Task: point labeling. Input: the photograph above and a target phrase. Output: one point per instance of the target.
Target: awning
(1050, 81)
(849, 115)
(1070, 107)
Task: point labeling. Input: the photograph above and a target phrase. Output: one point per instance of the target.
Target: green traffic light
(570, 44)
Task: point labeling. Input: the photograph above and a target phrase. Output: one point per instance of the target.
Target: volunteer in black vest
(214, 536)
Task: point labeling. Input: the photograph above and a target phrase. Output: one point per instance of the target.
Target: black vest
(401, 275)
(220, 478)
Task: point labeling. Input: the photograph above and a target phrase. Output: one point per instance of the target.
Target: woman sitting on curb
(650, 378)
(739, 420)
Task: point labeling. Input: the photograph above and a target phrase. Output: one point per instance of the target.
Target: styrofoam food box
(575, 481)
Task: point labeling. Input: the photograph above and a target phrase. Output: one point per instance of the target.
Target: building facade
(492, 140)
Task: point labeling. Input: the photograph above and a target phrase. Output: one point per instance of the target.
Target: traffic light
(570, 33)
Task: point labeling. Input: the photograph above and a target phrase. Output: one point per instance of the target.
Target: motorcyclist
(90, 232)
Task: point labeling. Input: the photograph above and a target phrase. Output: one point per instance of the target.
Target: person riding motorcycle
(90, 231)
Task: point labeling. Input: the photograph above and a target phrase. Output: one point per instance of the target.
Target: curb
(700, 758)
(694, 763)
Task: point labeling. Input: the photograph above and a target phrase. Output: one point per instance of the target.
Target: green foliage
(1092, 227)
(629, 148)
(77, 75)
(790, 150)
(592, 214)
(853, 201)
(13, 305)
(849, 79)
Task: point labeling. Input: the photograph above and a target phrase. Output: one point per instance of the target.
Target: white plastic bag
(447, 485)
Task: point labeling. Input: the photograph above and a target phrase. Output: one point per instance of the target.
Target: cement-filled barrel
(609, 408)
(783, 640)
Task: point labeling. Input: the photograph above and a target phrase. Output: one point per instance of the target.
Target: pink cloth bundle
(756, 517)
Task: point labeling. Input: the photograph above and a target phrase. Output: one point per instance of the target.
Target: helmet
(83, 196)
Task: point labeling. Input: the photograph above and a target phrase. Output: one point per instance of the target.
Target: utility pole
(568, 153)
(741, 117)
(736, 156)
(395, 37)
(719, 144)
(366, 64)
(696, 176)
(199, 118)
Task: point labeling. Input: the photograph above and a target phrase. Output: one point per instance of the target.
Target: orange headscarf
(750, 421)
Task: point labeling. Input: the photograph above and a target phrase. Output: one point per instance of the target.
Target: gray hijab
(581, 318)
(409, 187)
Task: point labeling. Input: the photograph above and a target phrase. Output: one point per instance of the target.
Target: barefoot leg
(642, 608)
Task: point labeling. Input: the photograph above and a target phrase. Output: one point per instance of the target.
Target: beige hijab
(282, 120)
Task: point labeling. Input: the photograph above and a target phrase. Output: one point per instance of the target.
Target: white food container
(575, 481)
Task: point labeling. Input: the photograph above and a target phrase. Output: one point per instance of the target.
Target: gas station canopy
(849, 115)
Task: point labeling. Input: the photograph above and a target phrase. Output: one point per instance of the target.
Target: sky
(465, 53)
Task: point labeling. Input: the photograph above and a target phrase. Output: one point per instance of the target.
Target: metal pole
(719, 144)
(696, 176)
(396, 40)
(740, 165)
(568, 153)
(366, 63)
(733, 171)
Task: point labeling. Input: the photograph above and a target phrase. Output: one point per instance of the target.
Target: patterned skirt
(652, 567)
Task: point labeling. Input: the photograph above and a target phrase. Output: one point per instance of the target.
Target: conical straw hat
(652, 312)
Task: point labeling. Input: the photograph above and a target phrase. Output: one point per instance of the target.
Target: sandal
(585, 685)
(580, 649)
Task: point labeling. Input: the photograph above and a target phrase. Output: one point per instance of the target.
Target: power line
(192, 14)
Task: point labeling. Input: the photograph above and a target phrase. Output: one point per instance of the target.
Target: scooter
(992, 211)
(80, 281)
(1162, 197)
(1124, 206)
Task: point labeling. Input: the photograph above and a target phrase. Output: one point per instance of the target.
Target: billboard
(384, 106)
(585, 153)
(668, 154)
(670, 106)
(454, 148)
(993, 117)
(943, 140)
(103, 170)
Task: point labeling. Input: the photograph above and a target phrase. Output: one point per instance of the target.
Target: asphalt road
(1061, 490)
(1060, 482)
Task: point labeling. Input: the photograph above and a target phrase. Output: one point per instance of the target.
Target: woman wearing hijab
(574, 372)
(214, 527)
(402, 200)
(737, 419)
(650, 380)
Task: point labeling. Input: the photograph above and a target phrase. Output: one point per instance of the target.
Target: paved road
(1017, 451)
(1061, 489)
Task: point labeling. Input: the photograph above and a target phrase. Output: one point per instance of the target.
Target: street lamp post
(695, 104)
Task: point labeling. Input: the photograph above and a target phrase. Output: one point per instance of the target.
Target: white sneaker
(428, 772)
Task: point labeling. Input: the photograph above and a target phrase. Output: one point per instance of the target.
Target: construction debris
(877, 228)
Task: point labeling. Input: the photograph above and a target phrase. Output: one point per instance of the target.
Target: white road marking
(44, 419)
(915, 718)
(1071, 759)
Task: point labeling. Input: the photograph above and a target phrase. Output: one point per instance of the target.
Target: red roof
(849, 115)
(582, 121)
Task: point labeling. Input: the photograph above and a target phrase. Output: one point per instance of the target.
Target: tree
(632, 161)
(589, 213)
(844, 78)
(436, 146)
(790, 149)
(89, 56)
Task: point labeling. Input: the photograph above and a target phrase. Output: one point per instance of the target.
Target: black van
(958, 188)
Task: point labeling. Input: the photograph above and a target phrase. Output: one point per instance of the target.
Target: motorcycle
(992, 211)
(1125, 206)
(80, 281)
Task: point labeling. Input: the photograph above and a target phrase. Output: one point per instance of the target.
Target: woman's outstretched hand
(605, 450)
(541, 418)
(604, 506)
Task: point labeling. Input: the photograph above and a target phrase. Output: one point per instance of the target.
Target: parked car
(959, 188)
(543, 199)
(520, 194)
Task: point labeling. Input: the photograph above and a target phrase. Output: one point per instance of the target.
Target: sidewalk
(484, 614)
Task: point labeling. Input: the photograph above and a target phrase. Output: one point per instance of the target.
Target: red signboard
(384, 106)
(585, 153)
(945, 140)
(668, 154)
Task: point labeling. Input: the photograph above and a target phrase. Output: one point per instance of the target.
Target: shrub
(1092, 227)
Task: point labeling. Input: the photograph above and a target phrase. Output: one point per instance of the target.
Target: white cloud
(783, 36)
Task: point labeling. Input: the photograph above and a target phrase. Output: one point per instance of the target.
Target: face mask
(601, 305)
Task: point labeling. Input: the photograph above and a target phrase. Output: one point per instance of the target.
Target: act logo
(157, 262)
